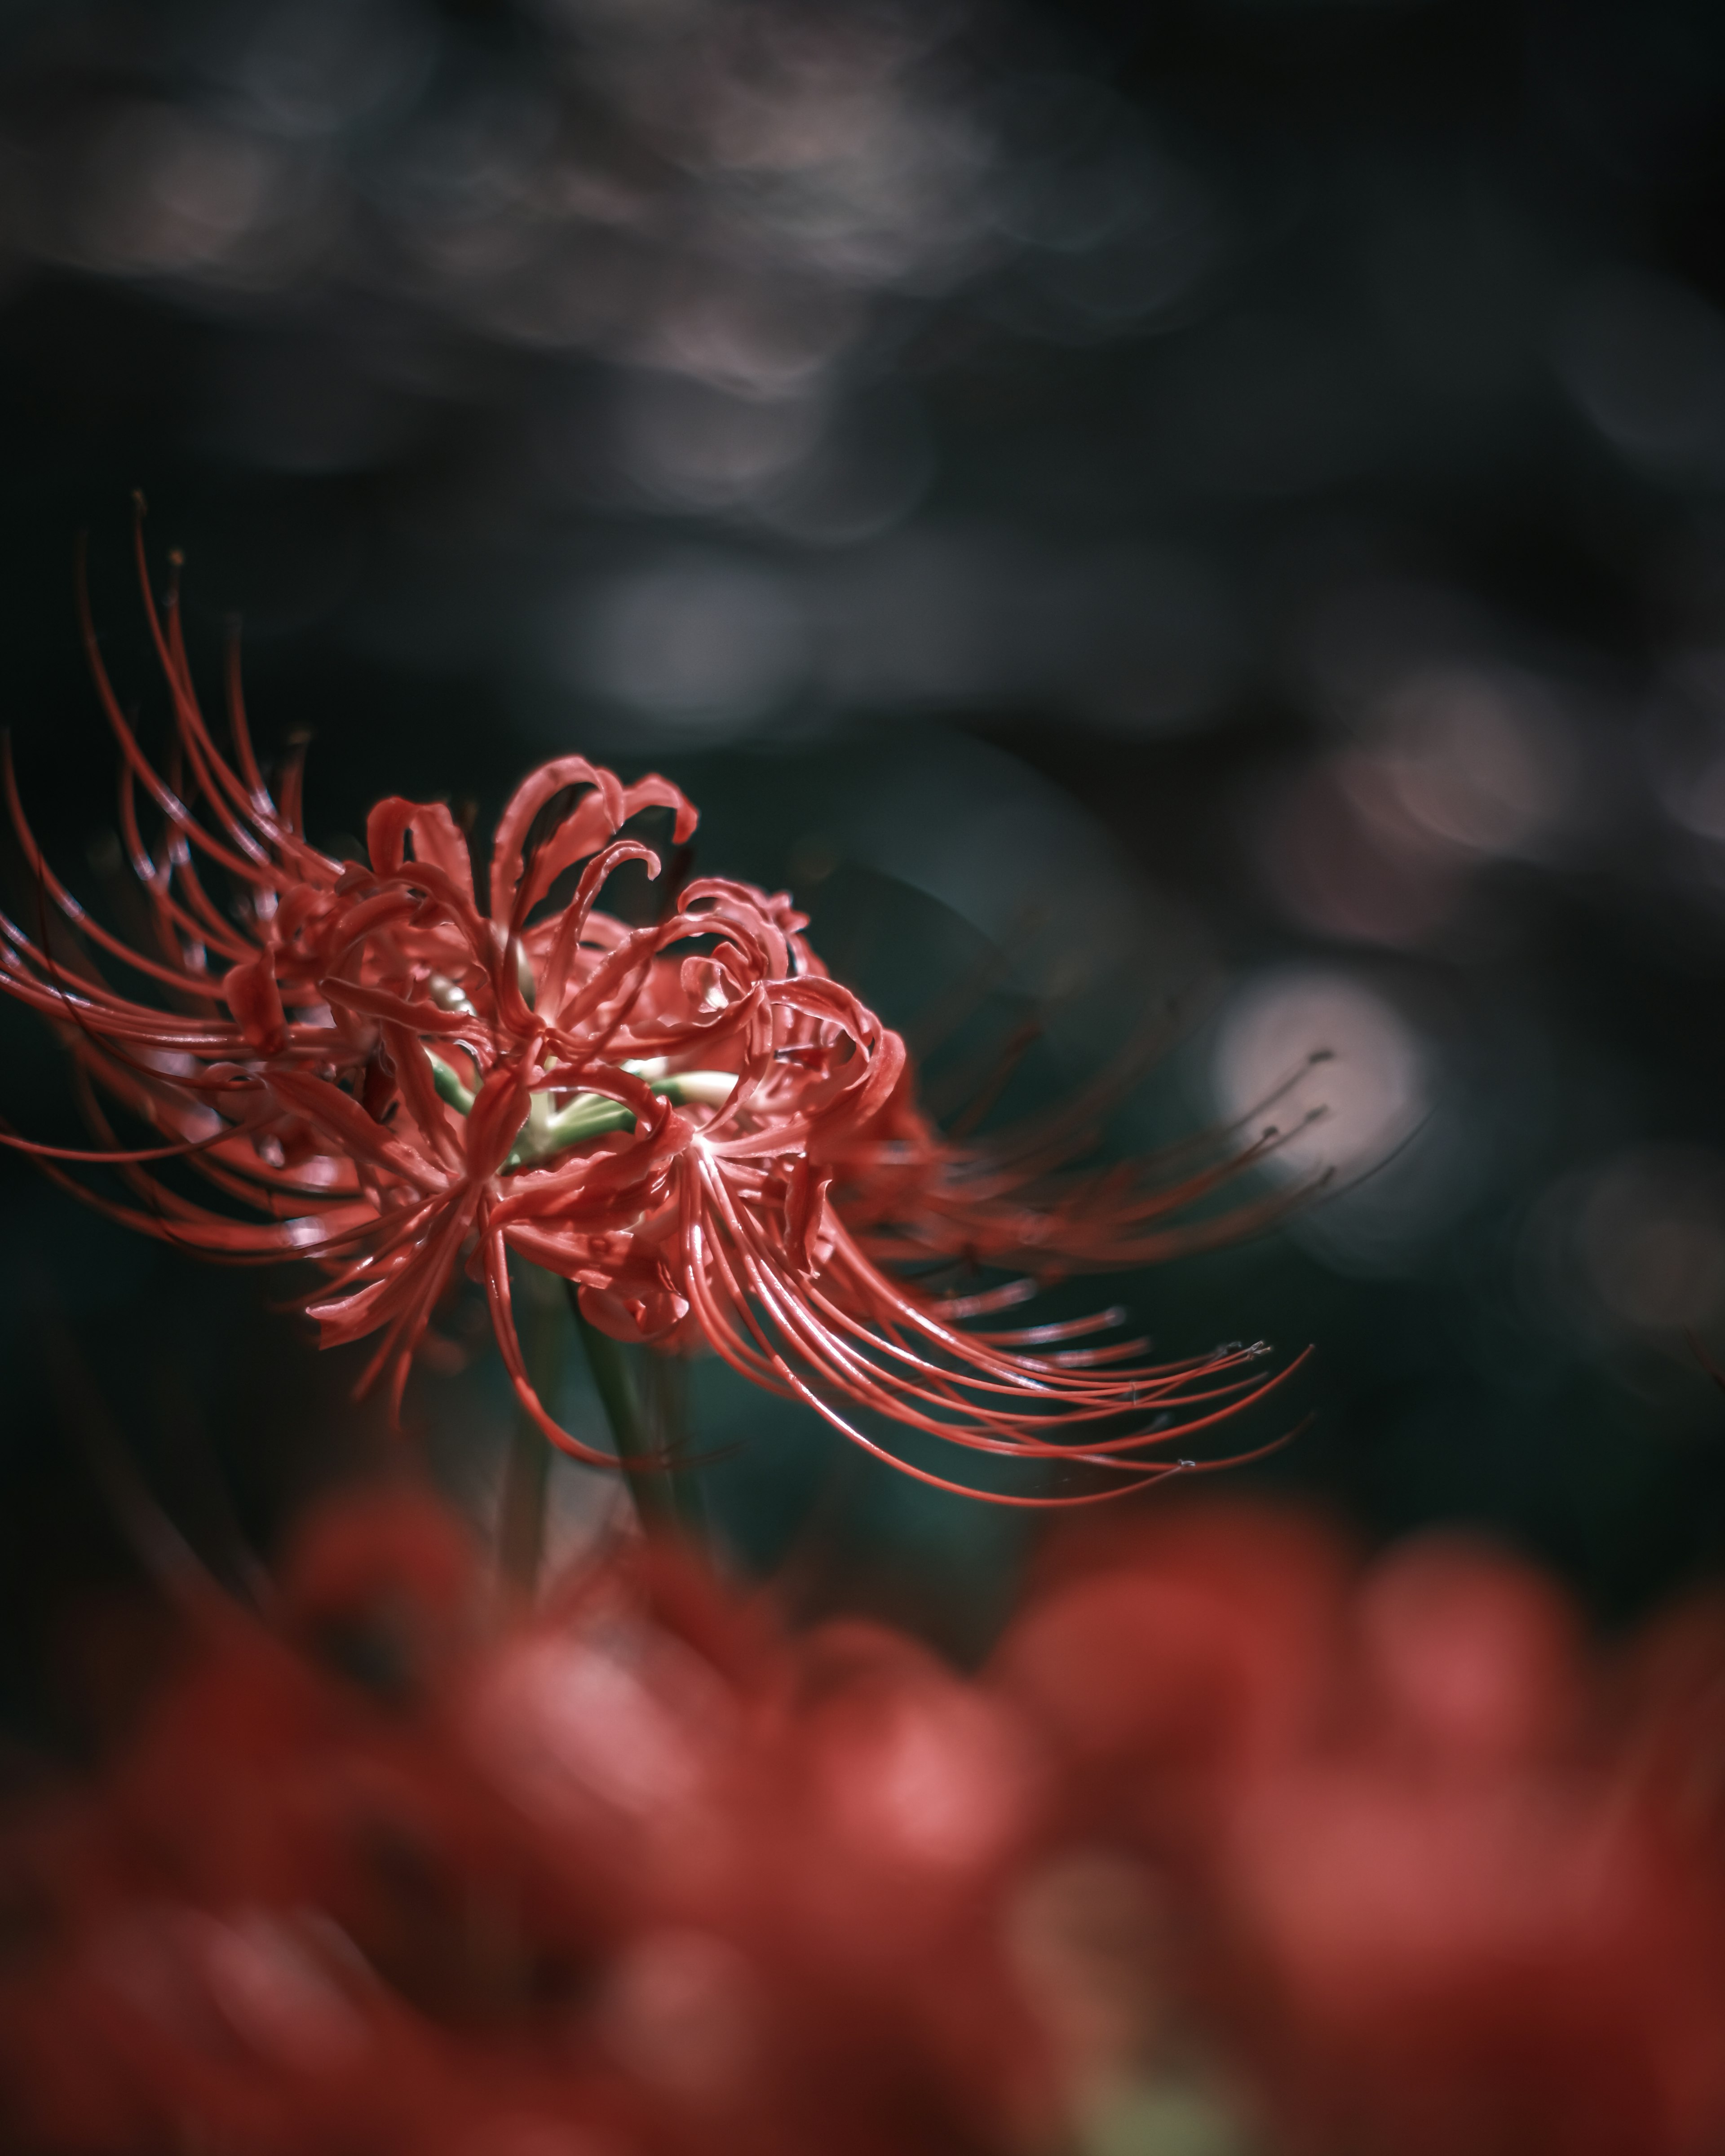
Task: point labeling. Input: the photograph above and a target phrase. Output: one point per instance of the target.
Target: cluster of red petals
(1446, 1878)
(715, 1141)
(644, 1873)
(641, 1876)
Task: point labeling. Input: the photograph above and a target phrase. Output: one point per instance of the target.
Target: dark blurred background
(1211, 499)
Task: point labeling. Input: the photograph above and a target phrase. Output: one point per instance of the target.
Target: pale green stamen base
(547, 1132)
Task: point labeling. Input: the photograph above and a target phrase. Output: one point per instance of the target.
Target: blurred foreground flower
(1223, 1832)
(689, 1123)
(1442, 1879)
(639, 1876)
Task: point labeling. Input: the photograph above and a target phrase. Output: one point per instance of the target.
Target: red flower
(1444, 1880)
(690, 1121)
(645, 1874)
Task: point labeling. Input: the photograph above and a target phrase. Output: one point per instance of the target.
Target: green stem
(647, 1432)
(526, 1466)
(648, 1429)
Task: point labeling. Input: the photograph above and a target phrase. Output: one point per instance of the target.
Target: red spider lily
(712, 1139)
(649, 1873)
(1447, 1878)
(643, 1875)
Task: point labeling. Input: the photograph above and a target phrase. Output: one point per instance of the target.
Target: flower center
(548, 1131)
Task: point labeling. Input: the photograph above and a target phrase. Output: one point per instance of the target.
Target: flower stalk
(527, 1463)
(647, 1431)
(645, 1409)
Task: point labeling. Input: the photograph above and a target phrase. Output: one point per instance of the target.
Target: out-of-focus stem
(648, 1431)
(527, 1467)
(664, 1398)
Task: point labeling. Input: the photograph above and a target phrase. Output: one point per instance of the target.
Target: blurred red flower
(641, 1875)
(646, 1872)
(689, 1120)
(1444, 1880)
